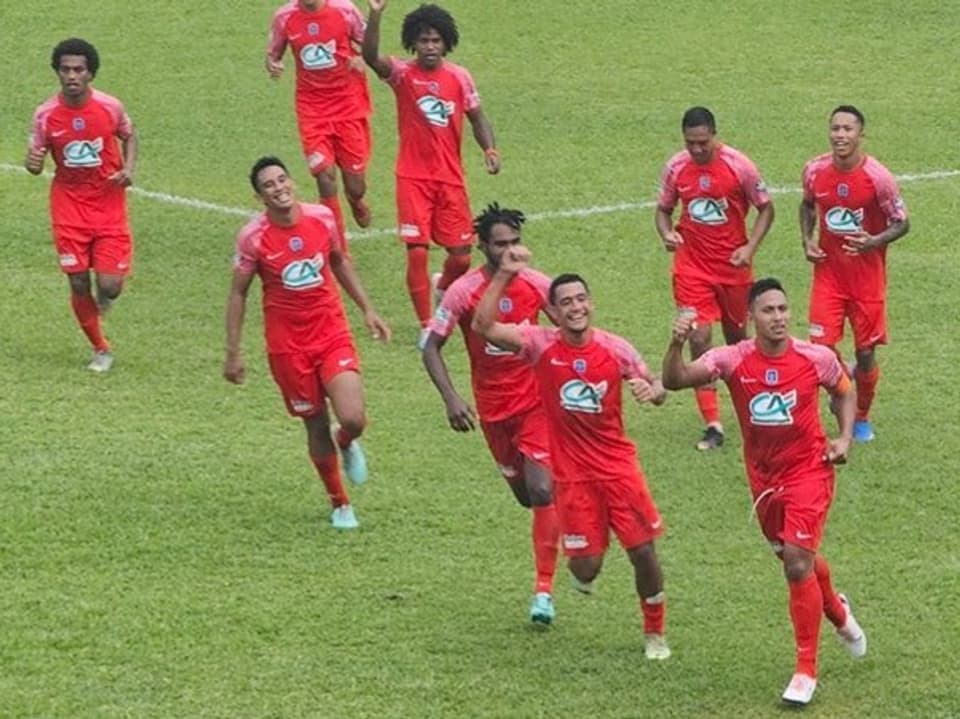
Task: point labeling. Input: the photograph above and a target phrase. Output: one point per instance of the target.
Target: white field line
(196, 204)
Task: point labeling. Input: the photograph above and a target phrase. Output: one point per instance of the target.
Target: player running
(297, 250)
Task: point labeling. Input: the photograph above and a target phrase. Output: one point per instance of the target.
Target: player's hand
(837, 451)
(515, 259)
(742, 256)
(233, 369)
(491, 160)
(683, 326)
(274, 67)
(122, 177)
(379, 330)
(643, 391)
(34, 161)
(672, 241)
(813, 252)
(461, 416)
(377, 5)
(856, 243)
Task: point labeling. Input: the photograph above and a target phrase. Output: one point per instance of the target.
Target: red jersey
(503, 385)
(716, 198)
(778, 405)
(302, 309)
(322, 43)
(867, 198)
(580, 388)
(430, 109)
(83, 143)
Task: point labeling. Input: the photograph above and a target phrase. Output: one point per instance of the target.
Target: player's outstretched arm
(461, 416)
(371, 41)
(647, 390)
(677, 374)
(233, 367)
(808, 222)
(483, 134)
(342, 267)
(504, 336)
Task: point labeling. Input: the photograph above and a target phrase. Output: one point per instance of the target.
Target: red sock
(545, 529)
(328, 467)
(708, 404)
(333, 202)
(832, 606)
(806, 608)
(343, 438)
(866, 389)
(654, 613)
(88, 317)
(418, 283)
(453, 267)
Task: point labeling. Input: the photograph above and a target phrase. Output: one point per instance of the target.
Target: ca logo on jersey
(303, 274)
(708, 211)
(579, 396)
(844, 220)
(83, 153)
(437, 111)
(773, 408)
(320, 55)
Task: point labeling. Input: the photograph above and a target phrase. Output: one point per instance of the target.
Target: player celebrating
(598, 485)
(861, 212)
(432, 96)
(332, 96)
(712, 268)
(774, 381)
(296, 250)
(80, 127)
(505, 388)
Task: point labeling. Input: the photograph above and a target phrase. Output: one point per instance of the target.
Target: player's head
(272, 183)
(570, 303)
(769, 309)
(846, 131)
(498, 229)
(76, 63)
(430, 32)
(699, 129)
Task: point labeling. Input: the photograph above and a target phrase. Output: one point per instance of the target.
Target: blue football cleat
(343, 517)
(863, 431)
(541, 609)
(354, 462)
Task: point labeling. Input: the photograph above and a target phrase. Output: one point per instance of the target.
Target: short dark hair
(496, 215)
(761, 286)
(698, 117)
(429, 17)
(566, 278)
(76, 46)
(260, 165)
(851, 110)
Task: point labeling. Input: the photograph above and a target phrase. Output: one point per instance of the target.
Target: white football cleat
(852, 636)
(655, 647)
(101, 362)
(800, 689)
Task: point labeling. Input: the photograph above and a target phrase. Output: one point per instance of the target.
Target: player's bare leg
(456, 264)
(323, 454)
(806, 609)
(109, 288)
(355, 187)
(706, 395)
(536, 492)
(345, 391)
(88, 317)
(648, 578)
(866, 374)
(327, 191)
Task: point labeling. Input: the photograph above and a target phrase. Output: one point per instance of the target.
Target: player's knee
(643, 555)
(353, 423)
(79, 283)
(110, 288)
(585, 569)
(796, 568)
(539, 494)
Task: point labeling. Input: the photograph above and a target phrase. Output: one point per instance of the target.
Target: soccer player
(332, 96)
(297, 250)
(432, 97)
(713, 253)
(505, 388)
(774, 381)
(861, 212)
(94, 147)
(598, 484)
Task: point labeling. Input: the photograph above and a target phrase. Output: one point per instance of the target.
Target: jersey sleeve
(324, 215)
(38, 141)
(247, 253)
(540, 283)
(721, 361)
(397, 71)
(451, 309)
(124, 125)
(752, 184)
(535, 340)
(829, 370)
(668, 195)
(471, 97)
(277, 35)
(888, 193)
(356, 23)
(629, 361)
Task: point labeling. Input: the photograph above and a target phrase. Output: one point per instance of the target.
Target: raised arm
(342, 267)
(461, 416)
(677, 374)
(483, 134)
(371, 41)
(233, 367)
(504, 336)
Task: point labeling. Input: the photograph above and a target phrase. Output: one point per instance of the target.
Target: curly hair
(429, 17)
(76, 46)
(496, 215)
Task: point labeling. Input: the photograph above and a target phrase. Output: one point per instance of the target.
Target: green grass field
(164, 546)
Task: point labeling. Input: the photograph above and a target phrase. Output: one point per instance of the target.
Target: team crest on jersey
(506, 304)
(313, 29)
(83, 153)
(437, 111)
(79, 124)
(303, 274)
(704, 182)
(843, 190)
(844, 220)
(579, 365)
(579, 396)
(295, 243)
(771, 376)
(319, 55)
(773, 408)
(708, 211)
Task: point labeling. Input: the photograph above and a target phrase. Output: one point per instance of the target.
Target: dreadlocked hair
(429, 17)
(496, 215)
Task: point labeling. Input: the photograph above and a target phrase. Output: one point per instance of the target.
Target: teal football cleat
(343, 517)
(541, 609)
(354, 462)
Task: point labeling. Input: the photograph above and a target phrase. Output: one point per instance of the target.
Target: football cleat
(541, 609)
(863, 431)
(800, 689)
(655, 647)
(343, 517)
(852, 636)
(712, 439)
(101, 362)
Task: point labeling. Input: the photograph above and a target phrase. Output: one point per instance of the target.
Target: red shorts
(512, 439)
(713, 302)
(795, 512)
(106, 253)
(302, 377)
(438, 211)
(345, 143)
(589, 510)
(828, 309)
